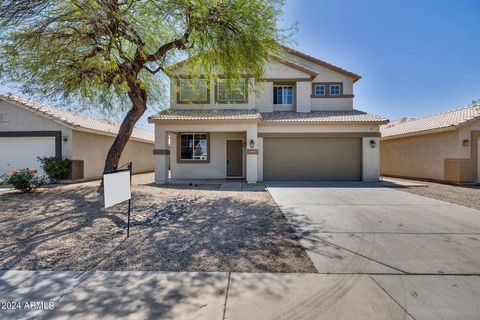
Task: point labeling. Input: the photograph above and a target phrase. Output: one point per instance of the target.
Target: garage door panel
(22, 152)
(312, 158)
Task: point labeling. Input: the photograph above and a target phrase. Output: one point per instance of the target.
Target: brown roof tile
(322, 116)
(280, 116)
(207, 114)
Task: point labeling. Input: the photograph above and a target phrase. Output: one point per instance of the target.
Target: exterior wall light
(466, 142)
(373, 143)
(64, 139)
(252, 144)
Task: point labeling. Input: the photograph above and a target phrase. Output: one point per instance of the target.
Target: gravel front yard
(174, 228)
(467, 196)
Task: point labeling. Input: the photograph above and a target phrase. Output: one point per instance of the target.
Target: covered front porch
(206, 151)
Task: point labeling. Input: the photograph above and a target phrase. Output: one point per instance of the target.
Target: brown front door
(234, 158)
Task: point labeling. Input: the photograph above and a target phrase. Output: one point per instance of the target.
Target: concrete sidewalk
(169, 295)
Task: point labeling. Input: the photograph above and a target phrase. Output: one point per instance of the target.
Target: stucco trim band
(317, 134)
(161, 151)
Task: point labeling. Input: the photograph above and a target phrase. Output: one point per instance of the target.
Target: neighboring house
(29, 130)
(298, 123)
(442, 147)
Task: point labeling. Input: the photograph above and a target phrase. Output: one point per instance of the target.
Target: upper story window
(335, 90)
(319, 89)
(234, 90)
(193, 91)
(328, 90)
(283, 94)
(193, 147)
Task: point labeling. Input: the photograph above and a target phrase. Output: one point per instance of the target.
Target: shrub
(55, 168)
(24, 180)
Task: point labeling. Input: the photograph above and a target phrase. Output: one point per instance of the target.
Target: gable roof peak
(322, 63)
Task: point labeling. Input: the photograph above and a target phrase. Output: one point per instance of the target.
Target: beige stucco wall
(253, 166)
(215, 169)
(264, 96)
(465, 134)
(324, 74)
(16, 118)
(419, 156)
(93, 149)
(261, 94)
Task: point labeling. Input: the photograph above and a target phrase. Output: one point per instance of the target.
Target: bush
(24, 180)
(55, 168)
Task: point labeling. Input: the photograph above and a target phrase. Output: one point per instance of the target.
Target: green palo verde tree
(112, 54)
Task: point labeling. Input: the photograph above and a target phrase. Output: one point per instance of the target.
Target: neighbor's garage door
(17, 153)
(312, 159)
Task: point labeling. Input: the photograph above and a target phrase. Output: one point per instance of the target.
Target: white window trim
(339, 89)
(324, 89)
(284, 86)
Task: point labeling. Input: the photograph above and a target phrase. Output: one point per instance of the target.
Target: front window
(283, 95)
(334, 89)
(194, 146)
(231, 90)
(193, 90)
(319, 89)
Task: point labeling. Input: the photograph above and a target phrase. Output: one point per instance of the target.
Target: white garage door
(17, 153)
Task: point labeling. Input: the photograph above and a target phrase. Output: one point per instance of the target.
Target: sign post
(117, 187)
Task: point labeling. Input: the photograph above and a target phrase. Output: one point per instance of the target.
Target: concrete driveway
(424, 253)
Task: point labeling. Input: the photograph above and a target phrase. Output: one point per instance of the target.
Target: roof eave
(193, 121)
(67, 124)
(310, 122)
(421, 133)
(40, 113)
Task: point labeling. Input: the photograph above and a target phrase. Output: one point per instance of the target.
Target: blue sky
(416, 57)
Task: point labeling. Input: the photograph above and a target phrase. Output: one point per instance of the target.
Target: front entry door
(234, 158)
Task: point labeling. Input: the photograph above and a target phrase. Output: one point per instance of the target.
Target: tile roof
(207, 114)
(322, 116)
(280, 116)
(450, 119)
(76, 120)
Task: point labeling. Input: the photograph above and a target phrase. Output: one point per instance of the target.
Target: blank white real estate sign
(116, 187)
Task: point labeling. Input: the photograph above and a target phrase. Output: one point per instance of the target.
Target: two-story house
(297, 123)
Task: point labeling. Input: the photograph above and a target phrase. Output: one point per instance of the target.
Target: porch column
(260, 159)
(161, 155)
(252, 155)
(370, 159)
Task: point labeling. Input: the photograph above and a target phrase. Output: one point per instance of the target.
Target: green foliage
(96, 51)
(55, 168)
(24, 180)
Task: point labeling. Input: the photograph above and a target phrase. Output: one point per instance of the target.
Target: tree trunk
(138, 97)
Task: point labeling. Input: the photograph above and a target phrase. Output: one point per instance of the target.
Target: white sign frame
(116, 187)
